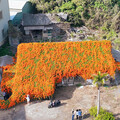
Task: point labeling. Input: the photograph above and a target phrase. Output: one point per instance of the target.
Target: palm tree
(99, 80)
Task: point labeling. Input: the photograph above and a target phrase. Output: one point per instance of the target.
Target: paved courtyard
(71, 98)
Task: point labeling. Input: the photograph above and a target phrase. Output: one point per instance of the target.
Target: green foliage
(91, 38)
(103, 115)
(111, 34)
(78, 85)
(99, 79)
(99, 4)
(116, 43)
(72, 34)
(104, 14)
(93, 111)
(13, 31)
(80, 9)
(106, 26)
(75, 19)
(77, 2)
(86, 14)
(67, 6)
(5, 50)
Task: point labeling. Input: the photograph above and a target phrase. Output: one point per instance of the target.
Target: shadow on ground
(67, 92)
(115, 115)
(17, 113)
(85, 116)
(68, 88)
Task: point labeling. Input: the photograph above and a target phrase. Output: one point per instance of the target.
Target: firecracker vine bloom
(40, 66)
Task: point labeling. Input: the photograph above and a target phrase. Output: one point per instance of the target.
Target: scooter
(54, 104)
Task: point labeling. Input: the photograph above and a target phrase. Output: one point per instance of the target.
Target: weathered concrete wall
(4, 8)
(13, 41)
(60, 28)
(4, 60)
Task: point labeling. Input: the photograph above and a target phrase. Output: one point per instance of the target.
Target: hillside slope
(102, 15)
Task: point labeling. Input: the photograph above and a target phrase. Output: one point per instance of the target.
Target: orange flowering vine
(39, 66)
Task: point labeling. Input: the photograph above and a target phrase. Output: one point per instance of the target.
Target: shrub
(67, 6)
(93, 111)
(105, 116)
(78, 85)
(75, 19)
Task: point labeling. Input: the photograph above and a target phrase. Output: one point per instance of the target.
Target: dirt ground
(71, 97)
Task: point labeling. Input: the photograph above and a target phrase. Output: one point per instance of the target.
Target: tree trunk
(98, 104)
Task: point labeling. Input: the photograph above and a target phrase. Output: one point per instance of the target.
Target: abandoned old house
(44, 26)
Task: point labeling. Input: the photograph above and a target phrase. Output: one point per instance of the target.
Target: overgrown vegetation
(5, 50)
(103, 15)
(94, 13)
(13, 31)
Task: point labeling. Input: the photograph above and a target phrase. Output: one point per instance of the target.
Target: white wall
(4, 21)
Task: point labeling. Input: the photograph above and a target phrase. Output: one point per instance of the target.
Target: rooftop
(38, 19)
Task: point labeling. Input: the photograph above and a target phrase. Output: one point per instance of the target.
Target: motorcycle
(54, 104)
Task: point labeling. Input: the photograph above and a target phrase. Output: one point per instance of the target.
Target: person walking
(73, 114)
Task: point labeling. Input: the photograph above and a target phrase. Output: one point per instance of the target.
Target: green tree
(92, 13)
(75, 19)
(99, 80)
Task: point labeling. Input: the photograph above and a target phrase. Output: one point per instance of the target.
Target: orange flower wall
(40, 66)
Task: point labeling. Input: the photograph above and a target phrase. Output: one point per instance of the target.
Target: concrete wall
(5, 60)
(4, 7)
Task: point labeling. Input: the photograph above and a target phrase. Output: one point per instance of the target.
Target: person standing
(63, 82)
(80, 114)
(4, 95)
(73, 114)
(77, 114)
(28, 98)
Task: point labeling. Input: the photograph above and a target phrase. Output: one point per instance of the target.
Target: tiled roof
(38, 19)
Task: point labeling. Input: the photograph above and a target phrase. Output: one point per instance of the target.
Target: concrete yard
(71, 97)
